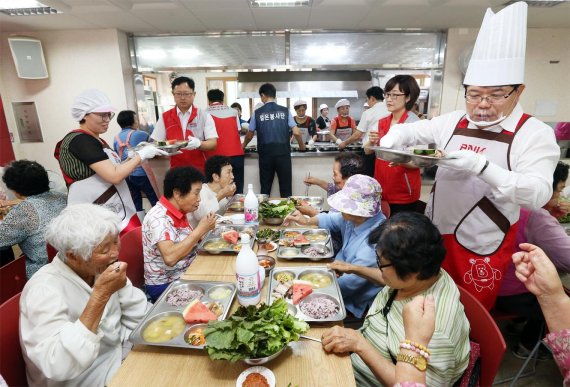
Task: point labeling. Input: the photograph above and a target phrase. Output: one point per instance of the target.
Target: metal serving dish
(285, 251)
(162, 309)
(314, 201)
(405, 156)
(237, 202)
(215, 235)
(331, 292)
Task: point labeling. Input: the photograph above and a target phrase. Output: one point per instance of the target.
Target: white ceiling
(196, 16)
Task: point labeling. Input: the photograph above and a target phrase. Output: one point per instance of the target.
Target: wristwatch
(417, 361)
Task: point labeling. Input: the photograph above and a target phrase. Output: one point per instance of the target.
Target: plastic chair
(486, 333)
(12, 278)
(12, 364)
(132, 253)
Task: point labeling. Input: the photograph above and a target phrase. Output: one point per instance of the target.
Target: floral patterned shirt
(163, 223)
(26, 223)
(559, 343)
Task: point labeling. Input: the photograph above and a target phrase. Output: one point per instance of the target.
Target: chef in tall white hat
(343, 125)
(498, 158)
(306, 124)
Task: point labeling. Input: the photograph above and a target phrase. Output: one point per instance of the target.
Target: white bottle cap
(250, 186)
(244, 237)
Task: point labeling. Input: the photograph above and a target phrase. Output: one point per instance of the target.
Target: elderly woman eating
(409, 252)
(358, 206)
(168, 238)
(77, 311)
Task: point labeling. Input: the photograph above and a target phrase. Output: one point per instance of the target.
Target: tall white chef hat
(342, 102)
(299, 103)
(323, 106)
(90, 101)
(499, 52)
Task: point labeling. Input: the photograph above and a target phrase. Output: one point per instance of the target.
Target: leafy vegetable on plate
(252, 333)
(268, 209)
(267, 234)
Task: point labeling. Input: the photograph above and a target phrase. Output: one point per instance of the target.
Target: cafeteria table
(303, 363)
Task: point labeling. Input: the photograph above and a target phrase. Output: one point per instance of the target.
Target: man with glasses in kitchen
(186, 122)
(496, 158)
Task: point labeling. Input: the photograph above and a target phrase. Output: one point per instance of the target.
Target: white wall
(544, 81)
(76, 60)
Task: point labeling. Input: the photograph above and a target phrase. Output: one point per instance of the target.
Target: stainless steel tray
(217, 232)
(236, 204)
(287, 252)
(162, 307)
(332, 292)
(405, 156)
(314, 201)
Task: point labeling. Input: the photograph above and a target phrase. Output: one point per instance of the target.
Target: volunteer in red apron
(187, 122)
(343, 125)
(92, 170)
(306, 124)
(228, 127)
(402, 183)
(498, 158)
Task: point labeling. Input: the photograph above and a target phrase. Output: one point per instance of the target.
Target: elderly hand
(373, 138)
(343, 340)
(310, 180)
(111, 280)
(206, 224)
(464, 160)
(419, 319)
(340, 267)
(193, 143)
(537, 272)
(229, 190)
(296, 217)
(149, 152)
(307, 210)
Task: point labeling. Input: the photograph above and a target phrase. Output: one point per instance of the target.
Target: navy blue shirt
(272, 123)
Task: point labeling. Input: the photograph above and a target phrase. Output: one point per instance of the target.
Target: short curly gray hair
(80, 228)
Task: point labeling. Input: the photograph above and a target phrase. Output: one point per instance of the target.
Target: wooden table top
(303, 363)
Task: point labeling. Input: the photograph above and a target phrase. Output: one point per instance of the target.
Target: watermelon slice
(231, 236)
(197, 312)
(300, 291)
(301, 240)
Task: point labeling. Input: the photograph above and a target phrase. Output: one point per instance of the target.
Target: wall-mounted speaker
(28, 57)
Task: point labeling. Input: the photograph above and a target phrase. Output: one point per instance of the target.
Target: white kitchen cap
(342, 102)
(257, 106)
(90, 101)
(299, 103)
(499, 52)
(323, 106)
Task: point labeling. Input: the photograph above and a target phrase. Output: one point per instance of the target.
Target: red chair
(486, 333)
(12, 278)
(12, 365)
(132, 254)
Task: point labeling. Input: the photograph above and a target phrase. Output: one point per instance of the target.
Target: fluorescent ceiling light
(25, 8)
(279, 3)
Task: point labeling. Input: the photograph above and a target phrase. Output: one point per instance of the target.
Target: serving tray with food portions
(312, 293)
(226, 239)
(236, 204)
(180, 315)
(313, 201)
(418, 156)
(314, 244)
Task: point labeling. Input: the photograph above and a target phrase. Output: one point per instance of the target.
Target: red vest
(400, 185)
(194, 158)
(229, 142)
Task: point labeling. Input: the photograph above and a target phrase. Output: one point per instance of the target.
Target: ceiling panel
(339, 17)
(43, 22)
(178, 20)
(281, 18)
(226, 19)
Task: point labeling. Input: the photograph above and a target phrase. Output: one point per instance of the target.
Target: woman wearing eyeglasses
(92, 170)
(409, 251)
(402, 183)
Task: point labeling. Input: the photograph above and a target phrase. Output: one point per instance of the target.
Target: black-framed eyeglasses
(105, 116)
(380, 265)
(493, 99)
(393, 95)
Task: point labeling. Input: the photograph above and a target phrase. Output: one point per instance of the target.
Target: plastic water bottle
(250, 206)
(248, 274)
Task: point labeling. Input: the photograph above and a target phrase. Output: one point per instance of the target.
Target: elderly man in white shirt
(370, 116)
(78, 311)
(216, 191)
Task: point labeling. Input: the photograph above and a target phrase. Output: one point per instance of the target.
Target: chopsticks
(310, 338)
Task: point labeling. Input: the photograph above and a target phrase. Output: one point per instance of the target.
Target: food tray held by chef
(314, 244)
(226, 239)
(311, 292)
(418, 156)
(180, 315)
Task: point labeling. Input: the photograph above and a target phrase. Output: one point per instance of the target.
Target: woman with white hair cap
(305, 123)
(78, 311)
(323, 121)
(358, 206)
(343, 125)
(92, 170)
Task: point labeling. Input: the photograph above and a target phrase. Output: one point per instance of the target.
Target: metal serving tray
(163, 308)
(236, 203)
(217, 234)
(286, 252)
(314, 201)
(332, 292)
(405, 156)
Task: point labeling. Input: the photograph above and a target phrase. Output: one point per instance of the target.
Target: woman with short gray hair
(76, 312)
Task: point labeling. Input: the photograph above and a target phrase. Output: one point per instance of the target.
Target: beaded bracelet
(417, 348)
